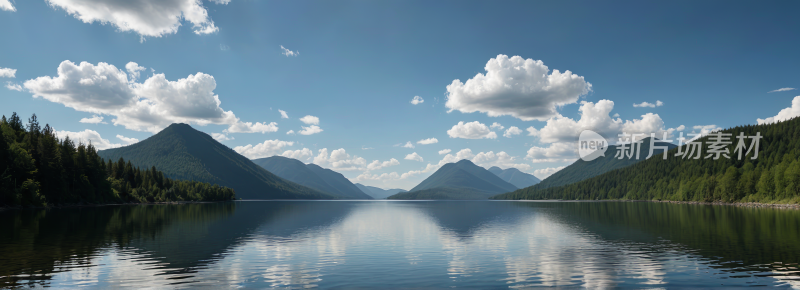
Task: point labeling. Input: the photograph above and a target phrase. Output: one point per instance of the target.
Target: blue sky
(360, 64)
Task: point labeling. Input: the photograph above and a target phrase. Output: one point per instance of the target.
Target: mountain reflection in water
(481, 244)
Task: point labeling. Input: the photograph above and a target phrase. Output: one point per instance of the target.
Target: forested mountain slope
(313, 176)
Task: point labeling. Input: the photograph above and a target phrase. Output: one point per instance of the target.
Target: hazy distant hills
(378, 193)
(182, 152)
(460, 180)
(581, 170)
(313, 176)
(515, 177)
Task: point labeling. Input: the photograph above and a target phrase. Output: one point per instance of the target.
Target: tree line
(37, 168)
(773, 177)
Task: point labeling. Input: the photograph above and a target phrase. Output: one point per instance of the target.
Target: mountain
(772, 177)
(378, 193)
(515, 177)
(313, 176)
(581, 170)
(182, 152)
(460, 180)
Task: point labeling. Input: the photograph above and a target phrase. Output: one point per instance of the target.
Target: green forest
(773, 177)
(39, 169)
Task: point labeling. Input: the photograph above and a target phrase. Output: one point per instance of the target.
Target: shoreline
(739, 204)
(73, 205)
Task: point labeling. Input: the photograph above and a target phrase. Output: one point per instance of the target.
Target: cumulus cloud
(680, 128)
(148, 18)
(556, 152)
(88, 137)
(290, 132)
(546, 172)
(532, 131)
(7, 72)
(496, 125)
(417, 100)
(596, 117)
(148, 106)
(221, 2)
(7, 6)
(93, 120)
(287, 52)
(781, 90)
(522, 88)
(784, 114)
(339, 160)
(266, 149)
(310, 120)
(134, 70)
(414, 156)
(471, 130)
(300, 154)
(407, 145)
(648, 105)
(444, 151)
(428, 141)
(283, 114)
(313, 129)
(512, 131)
(221, 137)
(702, 130)
(375, 164)
(128, 141)
(13, 86)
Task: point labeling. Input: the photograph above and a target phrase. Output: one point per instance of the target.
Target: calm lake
(367, 244)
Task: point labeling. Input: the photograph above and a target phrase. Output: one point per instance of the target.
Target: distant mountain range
(378, 193)
(313, 176)
(581, 170)
(181, 152)
(515, 177)
(460, 180)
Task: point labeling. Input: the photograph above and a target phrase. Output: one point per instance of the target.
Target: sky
(385, 92)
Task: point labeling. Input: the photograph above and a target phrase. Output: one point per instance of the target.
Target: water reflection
(301, 244)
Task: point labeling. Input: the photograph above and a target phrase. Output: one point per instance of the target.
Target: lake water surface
(403, 244)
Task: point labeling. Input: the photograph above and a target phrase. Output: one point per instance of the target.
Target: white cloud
(93, 120)
(444, 151)
(13, 86)
(128, 141)
(300, 154)
(221, 137)
(784, 114)
(417, 100)
(134, 70)
(414, 156)
(221, 2)
(680, 128)
(223, 47)
(153, 18)
(616, 115)
(375, 164)
(471, 130)
(290, 132)
(460, 155)
(512, 131)
(407, 145)
(532, 131)
(6, 5)
(283, 114)
(7, 72)
(500, 159)
(266, 149)
(148, 106)
(313, 129)
(310, 120)
(522, 88)
(648, 105)
(339, 160)
(288, 52)
(546, 172)
(556, 152)
(428, 141)
(702, 130)
(781, 90)
(88, 137)
(595, 117)
(496, 125)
